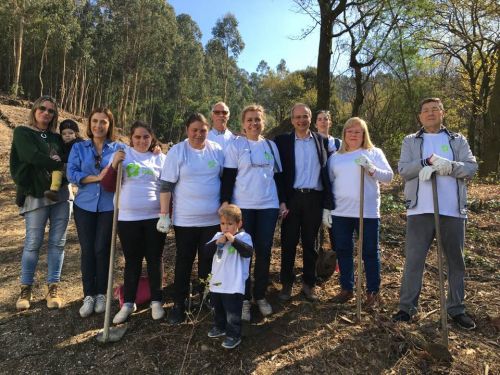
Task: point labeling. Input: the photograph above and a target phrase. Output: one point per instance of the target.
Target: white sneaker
(157, 311)
(245, 312)
(264, 307)
(100, 304)
(88, 306)
(124, 313)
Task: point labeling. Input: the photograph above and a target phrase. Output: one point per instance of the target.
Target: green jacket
(30, 161)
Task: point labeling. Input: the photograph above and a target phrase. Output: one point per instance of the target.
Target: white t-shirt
(223, 139)
(140, 191)
(254, 187)
(331, 144)
(197, 176)
(345, 178)
(438, 144)
(229, 269)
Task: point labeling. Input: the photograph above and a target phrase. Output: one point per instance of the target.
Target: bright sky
(266, 26)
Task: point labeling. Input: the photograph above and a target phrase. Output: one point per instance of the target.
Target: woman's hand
(118, 158)
(56, 157)
(101, 175)
(222, 206)
(283, 210)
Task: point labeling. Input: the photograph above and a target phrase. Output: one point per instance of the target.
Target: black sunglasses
(51, 111)
(220, 112)
(98, 159)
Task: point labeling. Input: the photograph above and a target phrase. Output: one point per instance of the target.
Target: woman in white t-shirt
(139, 211)
(343, 168)
(191, 178)
(251, 180)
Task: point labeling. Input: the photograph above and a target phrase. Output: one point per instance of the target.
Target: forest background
(144, 62)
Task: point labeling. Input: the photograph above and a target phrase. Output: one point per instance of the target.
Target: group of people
(223, 194)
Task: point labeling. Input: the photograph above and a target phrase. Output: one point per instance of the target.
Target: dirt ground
(300, 337)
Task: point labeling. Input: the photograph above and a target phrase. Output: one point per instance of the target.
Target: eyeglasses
(220, 249)
(98, 159)
(42, 109)
(225, 113)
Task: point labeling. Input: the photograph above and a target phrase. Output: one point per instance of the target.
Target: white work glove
(426, 173)
(327, 218)
(366, 163)
(163, 223)
(442, 165)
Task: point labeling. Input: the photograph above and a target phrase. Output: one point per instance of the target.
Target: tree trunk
(63, 79)
(324, 57)
(18, 48)
(44, 52)
(359, 96)
(491, 152)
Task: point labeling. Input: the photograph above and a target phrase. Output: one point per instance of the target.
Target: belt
(306, 191)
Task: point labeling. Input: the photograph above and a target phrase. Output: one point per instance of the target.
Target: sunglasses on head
(220, 112)
(42, 108)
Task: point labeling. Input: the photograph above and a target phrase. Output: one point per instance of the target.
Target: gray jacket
(411, 162)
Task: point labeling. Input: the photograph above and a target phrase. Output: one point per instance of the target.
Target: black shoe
(401, 316)
(464, 321)
(177, 315)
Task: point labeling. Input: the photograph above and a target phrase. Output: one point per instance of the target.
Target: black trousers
(94, 234)
(189, 241)
(139, 240)
(302, 222)
(227, 308)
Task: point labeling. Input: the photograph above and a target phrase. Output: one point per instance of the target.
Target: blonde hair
(231, 212)
(254, 108)
(37, 104)
(367, 142)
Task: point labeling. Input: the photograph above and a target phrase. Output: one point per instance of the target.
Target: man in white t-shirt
(434, 149)
(219, 132)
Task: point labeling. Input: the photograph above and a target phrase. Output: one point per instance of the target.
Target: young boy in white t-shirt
(232, 251)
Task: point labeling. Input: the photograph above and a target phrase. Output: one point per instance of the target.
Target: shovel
(360, 244)
(442, 298)
(112, 334)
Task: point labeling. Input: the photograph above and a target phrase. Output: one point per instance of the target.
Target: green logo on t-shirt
(133, 170)
(268, 156)
(212, 163)
(444, 148)
(231, 250)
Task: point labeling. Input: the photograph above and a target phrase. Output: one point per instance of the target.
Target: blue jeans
(36, 221)
(227, 308)
(343, 229)
(94, 233)
(260, 225)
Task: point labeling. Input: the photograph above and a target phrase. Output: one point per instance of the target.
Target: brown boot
(372, 300)
(343, 297)
(23, 302)
(53, 299)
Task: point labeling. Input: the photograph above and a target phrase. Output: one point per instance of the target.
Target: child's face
(229, 225)
(68, 135)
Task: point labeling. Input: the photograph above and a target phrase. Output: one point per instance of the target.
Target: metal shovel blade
(115, 334)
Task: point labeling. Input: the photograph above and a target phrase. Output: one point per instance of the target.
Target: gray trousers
(420, 231)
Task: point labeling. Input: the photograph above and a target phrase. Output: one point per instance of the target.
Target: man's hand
(163, 223)
(327, 218)
(442, 165)
(426, 173)
(283, 210)
(366, 163)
